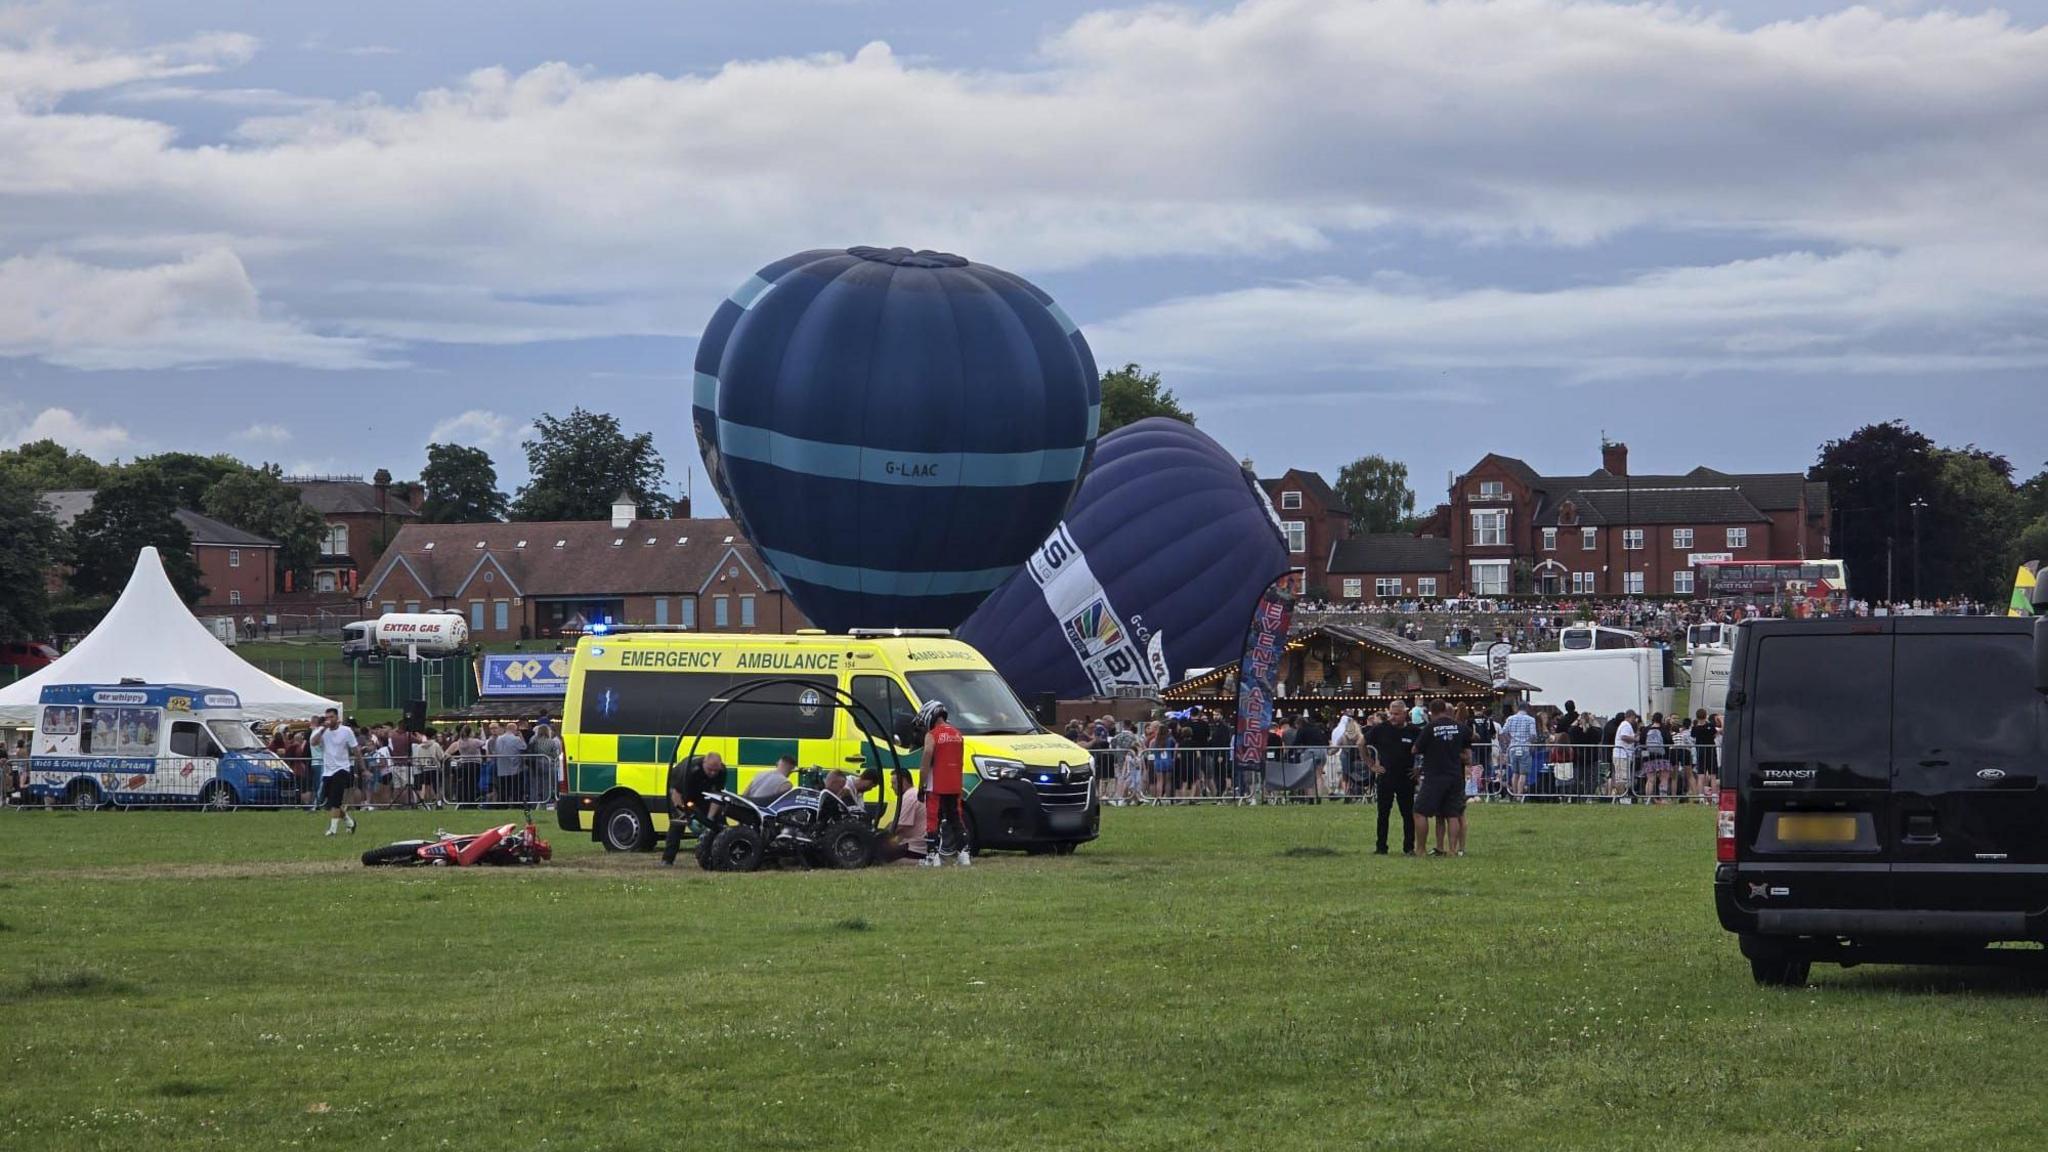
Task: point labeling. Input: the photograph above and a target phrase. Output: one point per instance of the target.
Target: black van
(1885, 792)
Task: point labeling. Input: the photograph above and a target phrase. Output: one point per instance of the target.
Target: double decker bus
(1771, 579)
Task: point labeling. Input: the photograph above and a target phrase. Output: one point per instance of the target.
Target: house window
(1354, 587)
(1550, 539)
(1297, 535)
(1492, 489)
(661, 611)
(389, 607)
(689, 611)
(1489, 528)
(336, 542)
(1387, 587)
(1738, 538)
(1681, 538)
(501, 615)
(412, 605)
(1632, 540)
(1589, 539)
(476, 615)
(1632, 583)
(234, 596)
(1425, 586)
(1297, 581)
(1290, 501)
(1582, 584)
(721, 611)
(746, 611)
(1489, 578)
(234, 557)
(328, 583)
(1681, 582)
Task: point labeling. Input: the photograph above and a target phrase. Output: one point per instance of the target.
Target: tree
(1130, 394)
(2032, 545)
(462, 486)
(46, 466)
(33, 546)
(1376, 491)
(2033, 497)
(258, 500)
(1874, 474)
(580, 462)
(134, 509)
(1966, 526)
(190, 476)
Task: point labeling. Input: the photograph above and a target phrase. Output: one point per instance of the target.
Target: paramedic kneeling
(687, 788)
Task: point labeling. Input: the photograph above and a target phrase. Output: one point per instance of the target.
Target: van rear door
(1813, 824)
(1969, 768)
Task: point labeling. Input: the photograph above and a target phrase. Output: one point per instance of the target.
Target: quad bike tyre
(707, 840)
(738, 849)
(845, 844)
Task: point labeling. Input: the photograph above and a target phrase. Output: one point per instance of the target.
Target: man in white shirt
(769, 785)
(1624, 758)
(337, 753)
(1344, 740)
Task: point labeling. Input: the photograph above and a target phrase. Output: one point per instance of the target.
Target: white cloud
(73, 431)
(200, 309)
(267, 434)
(481, 428)
(560, 203)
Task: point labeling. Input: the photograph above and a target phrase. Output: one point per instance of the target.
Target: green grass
(1228, 978)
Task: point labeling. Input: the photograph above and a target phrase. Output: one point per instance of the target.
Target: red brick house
(1380, 567)
(1313, 519)
(238, 568)
(533, 580)
(1612, 533)
(361, 517)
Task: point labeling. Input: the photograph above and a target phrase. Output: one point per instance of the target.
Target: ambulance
(632, 693)
(134, 744)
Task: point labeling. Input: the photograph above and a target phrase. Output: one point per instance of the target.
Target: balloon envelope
(1155, 570)
(895, 430)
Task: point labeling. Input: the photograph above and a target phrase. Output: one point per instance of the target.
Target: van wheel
(82, 796)
(217, 797)
(623, 827)
(1781, 971)
(1065, 847)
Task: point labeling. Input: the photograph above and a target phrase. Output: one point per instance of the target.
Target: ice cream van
(150, 744)
(633, 693)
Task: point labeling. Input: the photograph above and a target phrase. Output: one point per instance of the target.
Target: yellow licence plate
(1802, 829)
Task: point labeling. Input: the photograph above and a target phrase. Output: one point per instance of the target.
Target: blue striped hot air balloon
(1156, 569)
(895, 430)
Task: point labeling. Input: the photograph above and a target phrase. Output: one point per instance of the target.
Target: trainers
(1380, 851)
(931, 860)
(351, 826)
(329, 832)
(966, 860)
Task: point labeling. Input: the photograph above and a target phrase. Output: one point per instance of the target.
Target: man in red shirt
(943, 781)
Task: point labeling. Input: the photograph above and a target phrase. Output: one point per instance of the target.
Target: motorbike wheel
(845, 844)
(737, 849)
(391, 854)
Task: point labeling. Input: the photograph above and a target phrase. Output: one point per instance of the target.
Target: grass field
(1227, 978)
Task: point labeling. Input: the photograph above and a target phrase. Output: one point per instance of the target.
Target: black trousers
(1397, 789)
(680, 823)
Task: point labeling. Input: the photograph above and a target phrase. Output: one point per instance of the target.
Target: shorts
(334, 788)
(1624, 771)
(1440, 796)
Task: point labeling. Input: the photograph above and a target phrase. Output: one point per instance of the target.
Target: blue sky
(324, 234)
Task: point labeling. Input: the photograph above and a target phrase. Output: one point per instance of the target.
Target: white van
(143, 744)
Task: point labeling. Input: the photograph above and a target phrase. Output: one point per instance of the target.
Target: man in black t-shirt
(1392, 745)
(687, 788)
(1442, 748)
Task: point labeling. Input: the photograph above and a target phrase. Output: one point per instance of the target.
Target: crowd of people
(389, 765)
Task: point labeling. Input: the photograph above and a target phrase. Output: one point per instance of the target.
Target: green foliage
(2032, 545)
(580, 462)
(1376, 491)
(190, 476)
(2033, 497)
(32, 548)
(461, 485)
(258, 500)
(46, 466)
(135, 508)
(1131, 394)
(1966, 528)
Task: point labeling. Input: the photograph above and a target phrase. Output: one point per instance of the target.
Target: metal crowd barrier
(1538, 773)
(132, 782)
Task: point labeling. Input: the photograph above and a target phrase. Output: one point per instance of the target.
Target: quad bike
(808, 825)
(504, 846)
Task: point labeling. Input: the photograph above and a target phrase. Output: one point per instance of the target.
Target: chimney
(624, 510)
(682, 511)
(1614, 457)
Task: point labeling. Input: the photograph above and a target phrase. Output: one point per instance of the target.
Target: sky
(326, 235)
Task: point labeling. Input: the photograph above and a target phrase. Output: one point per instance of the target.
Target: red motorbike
(504, 846)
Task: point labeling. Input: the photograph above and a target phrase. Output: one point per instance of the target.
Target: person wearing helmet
(943, 778)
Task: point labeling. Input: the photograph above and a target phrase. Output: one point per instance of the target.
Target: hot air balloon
(1156, 569)
(894, 430)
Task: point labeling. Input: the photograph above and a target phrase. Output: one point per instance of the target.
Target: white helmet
(932, 712)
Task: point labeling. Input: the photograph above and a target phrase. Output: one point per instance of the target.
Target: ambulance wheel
(737, 849)
(846, 843)
(623, 827)
(82, 796)
(217, 797)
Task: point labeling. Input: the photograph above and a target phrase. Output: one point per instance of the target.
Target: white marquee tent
(150, 635)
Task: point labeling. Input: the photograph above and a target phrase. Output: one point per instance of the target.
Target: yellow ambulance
(632, 694)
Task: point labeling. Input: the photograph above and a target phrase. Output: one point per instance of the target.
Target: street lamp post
(1918, 506)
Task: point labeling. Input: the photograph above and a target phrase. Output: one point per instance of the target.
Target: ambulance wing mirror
(2041, 654)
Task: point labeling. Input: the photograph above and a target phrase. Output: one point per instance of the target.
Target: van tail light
(1724, 828)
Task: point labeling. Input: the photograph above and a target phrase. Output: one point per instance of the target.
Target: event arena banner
(519, 675)
(1258, 674)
